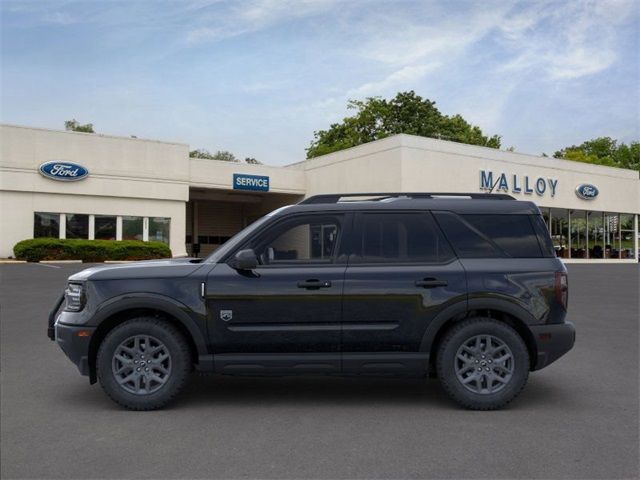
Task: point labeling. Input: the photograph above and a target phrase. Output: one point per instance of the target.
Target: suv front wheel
(143, 363)
(482, 363)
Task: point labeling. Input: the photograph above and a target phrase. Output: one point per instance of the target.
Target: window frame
(356, 257)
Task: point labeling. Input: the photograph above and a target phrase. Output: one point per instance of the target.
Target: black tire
(176, 367)
(489, 392)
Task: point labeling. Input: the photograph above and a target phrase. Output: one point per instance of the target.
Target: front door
(402, 274)
(284, 315)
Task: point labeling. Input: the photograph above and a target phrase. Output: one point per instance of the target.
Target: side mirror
(245, 260)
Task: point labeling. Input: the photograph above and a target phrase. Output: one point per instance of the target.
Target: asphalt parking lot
(576, 419)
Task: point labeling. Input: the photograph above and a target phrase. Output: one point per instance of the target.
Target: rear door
(401, 275)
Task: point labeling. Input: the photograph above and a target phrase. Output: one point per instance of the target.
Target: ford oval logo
(587, 191)
(64, 171)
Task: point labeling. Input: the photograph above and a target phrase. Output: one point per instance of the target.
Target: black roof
(453, 202)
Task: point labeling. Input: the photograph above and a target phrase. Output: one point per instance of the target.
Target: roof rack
(336, 197)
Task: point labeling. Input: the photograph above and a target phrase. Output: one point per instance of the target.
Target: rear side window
(491, 236)
(514, 234)
(392, 237)
(467, 241)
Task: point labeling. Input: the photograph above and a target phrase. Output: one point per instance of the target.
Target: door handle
(314, 284)
(431, 283)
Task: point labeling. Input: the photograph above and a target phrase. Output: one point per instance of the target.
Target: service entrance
(214, 216)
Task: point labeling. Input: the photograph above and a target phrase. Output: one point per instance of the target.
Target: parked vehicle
(465, 287)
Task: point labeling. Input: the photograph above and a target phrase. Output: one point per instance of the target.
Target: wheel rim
(141, 364)
(484, 364)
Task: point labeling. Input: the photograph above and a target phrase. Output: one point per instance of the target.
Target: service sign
(63, 171)
(257, 183)
(587, 191)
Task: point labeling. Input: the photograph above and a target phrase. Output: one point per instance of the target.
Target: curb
(10, 261)
(60, 261)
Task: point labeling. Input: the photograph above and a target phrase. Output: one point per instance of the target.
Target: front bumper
(74, 341)
(552, 341)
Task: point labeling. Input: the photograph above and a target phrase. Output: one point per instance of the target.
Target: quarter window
(402, 238)
(512, 233)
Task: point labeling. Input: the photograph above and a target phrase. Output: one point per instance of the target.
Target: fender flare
(158, 302)
(461, 308)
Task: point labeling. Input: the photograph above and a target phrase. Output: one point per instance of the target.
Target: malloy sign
(514, 183)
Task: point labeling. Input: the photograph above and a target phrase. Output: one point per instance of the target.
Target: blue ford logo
(64, 171)
(587, 191)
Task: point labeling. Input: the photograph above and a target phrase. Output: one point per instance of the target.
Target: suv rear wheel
(143, 363)
(482, 363)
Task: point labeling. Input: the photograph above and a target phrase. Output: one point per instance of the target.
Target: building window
(159, 229)
(611, 235)
(46, 225)
(132, 228)
(105, 227)
(626, 236)
(579, 234)
(77, 226)
(560, 232)
(596, 235)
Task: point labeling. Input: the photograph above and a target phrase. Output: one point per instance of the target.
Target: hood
(166, 268)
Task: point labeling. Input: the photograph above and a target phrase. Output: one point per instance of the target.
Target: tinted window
(105, 227)
(132, 228)
(303, 240)
(77, 226)
(402, 237)
(512, 233)
(46, 225)
(467, 242)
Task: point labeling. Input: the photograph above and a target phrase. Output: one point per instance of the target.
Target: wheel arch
(119, 311)
(500, 310)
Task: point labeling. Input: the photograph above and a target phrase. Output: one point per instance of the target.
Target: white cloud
(565, 40)
(250, 16)
(403, 78)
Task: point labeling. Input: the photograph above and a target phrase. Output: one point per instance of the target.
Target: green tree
(252, 161)
(222, 155)
(377, 118)
(604, 151)
(74, 126)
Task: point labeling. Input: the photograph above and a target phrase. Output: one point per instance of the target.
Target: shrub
(36, 249)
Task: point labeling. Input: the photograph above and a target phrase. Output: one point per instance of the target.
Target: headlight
(74, 297)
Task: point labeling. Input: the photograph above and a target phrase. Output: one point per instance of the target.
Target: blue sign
(250, 182)
(587, 191)
(517, 183)
(63, 171)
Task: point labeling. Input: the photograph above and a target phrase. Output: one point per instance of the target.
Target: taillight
(562, 289)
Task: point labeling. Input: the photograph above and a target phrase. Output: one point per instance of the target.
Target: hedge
(36, 249)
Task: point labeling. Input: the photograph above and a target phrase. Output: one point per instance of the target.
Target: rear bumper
(552, 342)
(74, 342)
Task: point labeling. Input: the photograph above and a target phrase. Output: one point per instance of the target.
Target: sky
(258, 77)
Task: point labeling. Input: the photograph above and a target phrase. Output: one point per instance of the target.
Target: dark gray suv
(465, 287)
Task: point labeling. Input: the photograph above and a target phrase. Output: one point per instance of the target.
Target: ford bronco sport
(465, 287)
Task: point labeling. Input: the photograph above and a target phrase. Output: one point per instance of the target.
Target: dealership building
(78, 185)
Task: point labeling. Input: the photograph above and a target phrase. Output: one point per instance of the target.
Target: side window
(467, 242)
(401, 238)
(300, 241)
(512, 233)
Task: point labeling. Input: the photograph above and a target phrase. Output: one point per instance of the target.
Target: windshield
(240, 237)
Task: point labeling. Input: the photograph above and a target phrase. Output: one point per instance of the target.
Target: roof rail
(336, 197)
